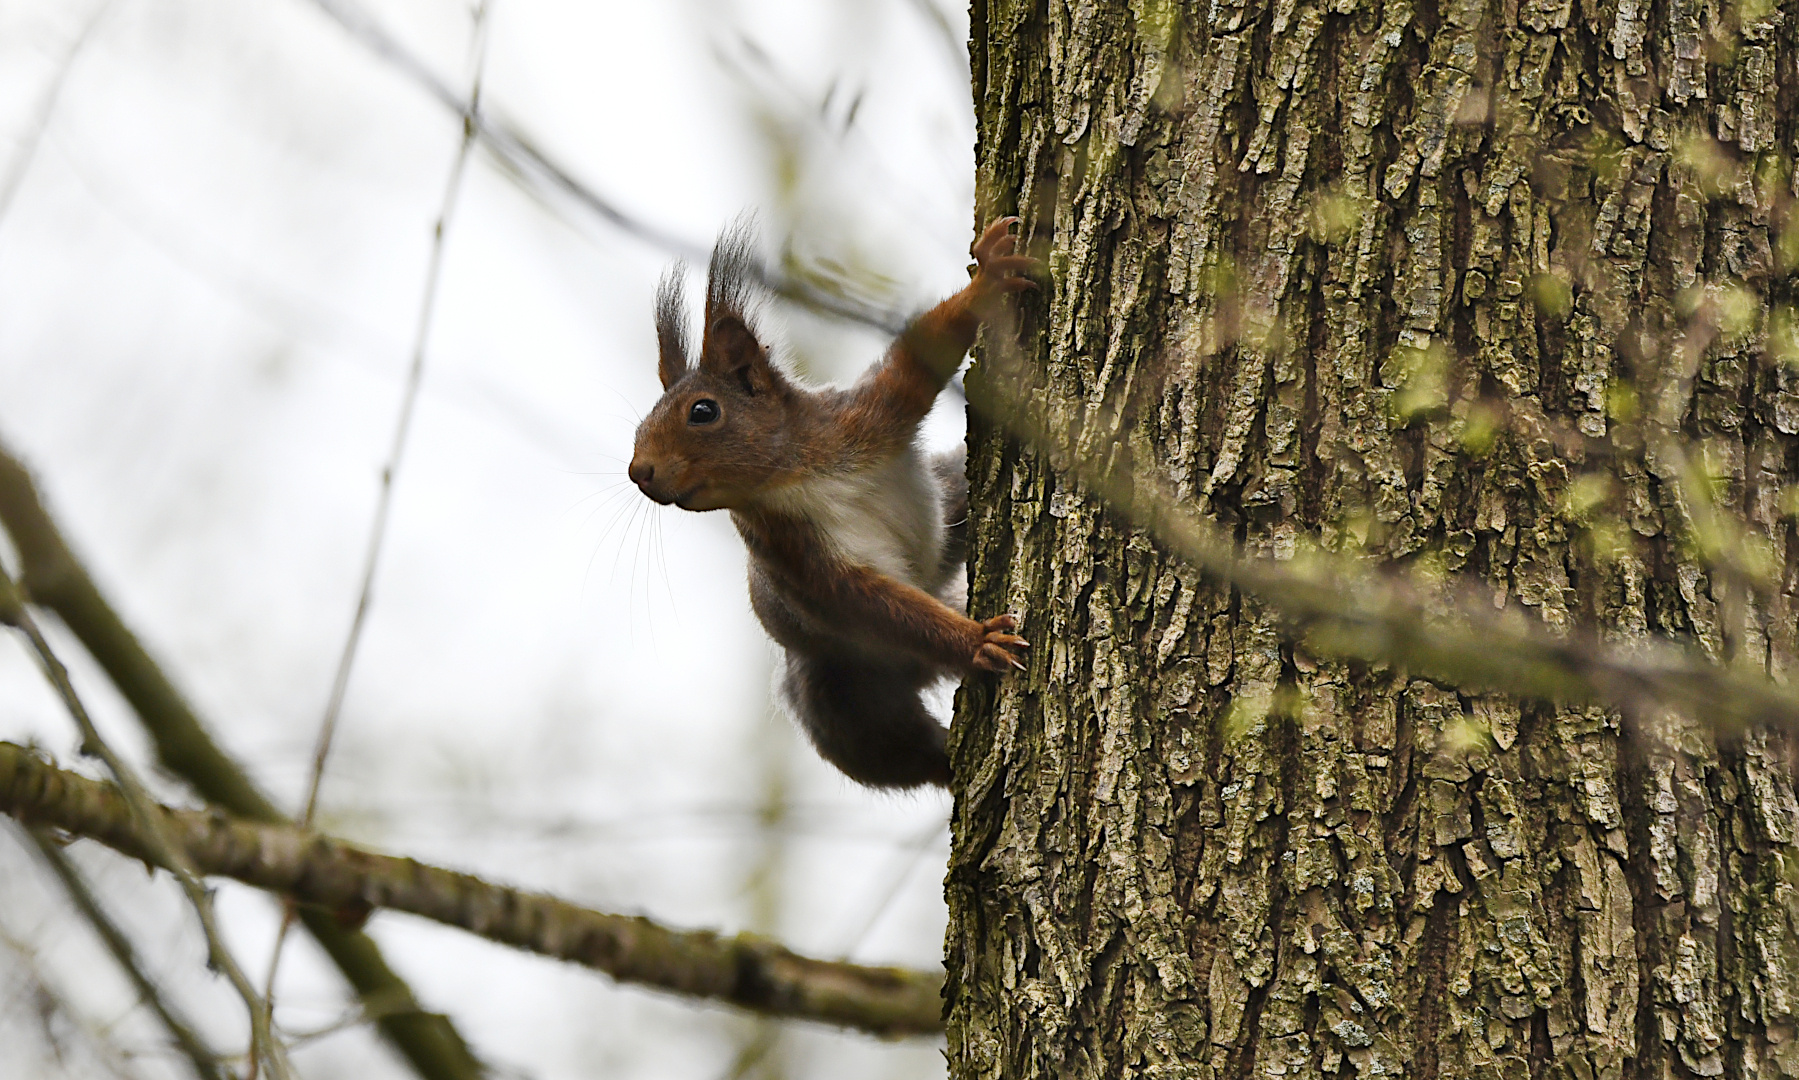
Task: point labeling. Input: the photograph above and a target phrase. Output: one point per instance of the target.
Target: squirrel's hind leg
(868, 719)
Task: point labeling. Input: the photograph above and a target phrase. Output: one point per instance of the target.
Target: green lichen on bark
(1402, 278)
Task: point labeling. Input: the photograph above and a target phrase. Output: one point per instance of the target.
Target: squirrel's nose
(641, 472)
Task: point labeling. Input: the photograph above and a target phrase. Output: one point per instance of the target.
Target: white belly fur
(888, 517)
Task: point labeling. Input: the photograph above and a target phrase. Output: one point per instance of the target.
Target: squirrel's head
(720, 435)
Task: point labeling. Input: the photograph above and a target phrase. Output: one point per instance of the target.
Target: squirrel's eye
(704, 411)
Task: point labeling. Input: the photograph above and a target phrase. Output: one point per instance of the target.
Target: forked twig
(202, 1058)
(415, 378)
(147, 817)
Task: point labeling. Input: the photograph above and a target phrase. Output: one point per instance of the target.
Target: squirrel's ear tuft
(731, 347)
(733, 274)
(671, 327)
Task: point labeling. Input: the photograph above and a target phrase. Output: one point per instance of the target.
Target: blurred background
(216, 222)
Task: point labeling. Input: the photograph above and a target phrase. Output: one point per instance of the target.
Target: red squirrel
(856, 539)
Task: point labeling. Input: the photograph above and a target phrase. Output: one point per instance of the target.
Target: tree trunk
(1415, 283)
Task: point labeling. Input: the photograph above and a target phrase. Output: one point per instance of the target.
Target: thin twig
(50, 1002)
(355, 1016)
(20, 165)
(145, 814)
(415, 378)
(905, 862)
(56, 579)
(747, 970)
(204, 1060)
(521, 159)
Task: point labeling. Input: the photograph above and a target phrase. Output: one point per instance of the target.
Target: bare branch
(1344, 608)
(57, 580)
(415, 380)
(51, 1003)
(521, 159)
(26, 153)
(747, 971)
(202, 1058)
(163, 848)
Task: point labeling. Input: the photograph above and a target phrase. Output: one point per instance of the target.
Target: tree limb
(1343, 607)
(202, 1058)
(535, 170)
(747, 971)
(265, 1049)
(56, 579)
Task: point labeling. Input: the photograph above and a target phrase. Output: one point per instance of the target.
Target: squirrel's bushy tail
(868, 719)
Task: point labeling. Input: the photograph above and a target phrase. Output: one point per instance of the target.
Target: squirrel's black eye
(704, 411)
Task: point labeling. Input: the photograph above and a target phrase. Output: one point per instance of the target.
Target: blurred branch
(955, 46)
(204, 1061)
(50, 1003)
(34, 135)
(396, 452)
(747, 971)
(521, 158)
(904, 863)
(409, 396)
(162, 847)
(54, 578)
(502, 138)
(1342, 607)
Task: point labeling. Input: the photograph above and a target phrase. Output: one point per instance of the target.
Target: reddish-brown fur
(778, 455)
(874, 610)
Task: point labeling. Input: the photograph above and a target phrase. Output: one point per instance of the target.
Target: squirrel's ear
(671, 328)
(730, 348)
(732, 351)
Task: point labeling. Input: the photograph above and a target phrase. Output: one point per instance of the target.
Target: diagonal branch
(54, 578)
(521, 159)
(409, 397)
(26, 152)
(747, 971)
(165, 851)
(204, 1061)
(1342, 607)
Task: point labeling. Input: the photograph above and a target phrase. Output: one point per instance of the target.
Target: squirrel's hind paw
(998, 648)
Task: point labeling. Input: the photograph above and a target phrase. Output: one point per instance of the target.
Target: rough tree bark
(1413, 279)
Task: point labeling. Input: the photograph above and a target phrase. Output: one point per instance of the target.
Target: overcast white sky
(210, 271)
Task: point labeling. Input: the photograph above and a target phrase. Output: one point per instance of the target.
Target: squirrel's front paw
(997, 268)
(999, 647)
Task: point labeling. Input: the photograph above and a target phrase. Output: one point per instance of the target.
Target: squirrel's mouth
(695, 499)
(691, 499)
(686, 500)
(656, 495)
(698, 496)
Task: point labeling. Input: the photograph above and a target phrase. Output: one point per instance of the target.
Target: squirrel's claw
(995, 650)
(997, 234)
(997, 267)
